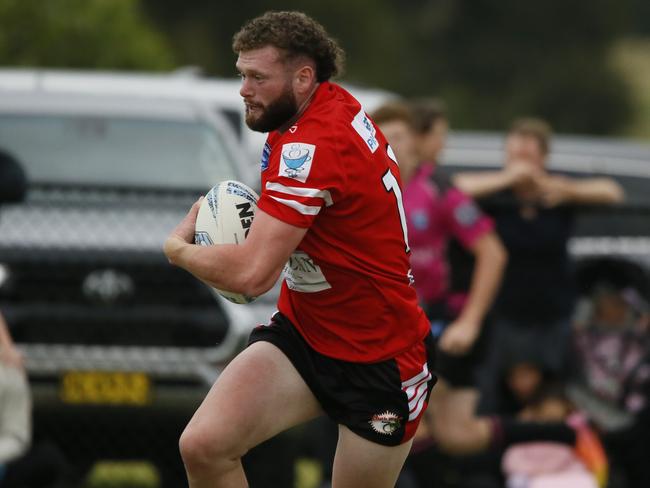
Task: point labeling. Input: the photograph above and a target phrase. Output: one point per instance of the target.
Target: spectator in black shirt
(534, 211)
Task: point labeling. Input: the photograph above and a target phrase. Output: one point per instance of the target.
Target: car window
(106, 150)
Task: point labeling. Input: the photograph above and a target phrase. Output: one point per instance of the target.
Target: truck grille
(107, 298)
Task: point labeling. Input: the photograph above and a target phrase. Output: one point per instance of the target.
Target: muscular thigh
(258, 395)
(360, 463)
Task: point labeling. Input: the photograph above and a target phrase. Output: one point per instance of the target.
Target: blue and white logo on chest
(296, 159)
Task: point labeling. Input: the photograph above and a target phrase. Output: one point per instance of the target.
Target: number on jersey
(391, 184)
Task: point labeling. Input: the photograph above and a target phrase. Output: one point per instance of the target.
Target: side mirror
(13, 181)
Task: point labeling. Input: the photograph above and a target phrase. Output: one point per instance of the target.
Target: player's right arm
(474, 230)
(250, 268)
(490, 260)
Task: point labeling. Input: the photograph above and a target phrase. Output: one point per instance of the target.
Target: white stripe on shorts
(417, 377)
(416, 391)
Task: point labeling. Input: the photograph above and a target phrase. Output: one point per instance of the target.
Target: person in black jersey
(534, 214)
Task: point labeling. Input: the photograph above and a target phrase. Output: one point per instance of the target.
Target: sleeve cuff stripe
(299, 207)
(301, 192)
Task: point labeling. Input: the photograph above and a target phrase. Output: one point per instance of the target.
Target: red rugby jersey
(348, 286)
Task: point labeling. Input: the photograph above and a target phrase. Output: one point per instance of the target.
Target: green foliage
(491, 60)
(640, 17)
(202, 32)
(80, 34)
(496, 60)
(632, 57)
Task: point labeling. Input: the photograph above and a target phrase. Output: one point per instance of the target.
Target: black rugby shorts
(382, 402)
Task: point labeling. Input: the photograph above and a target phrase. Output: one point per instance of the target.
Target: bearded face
(269, 117)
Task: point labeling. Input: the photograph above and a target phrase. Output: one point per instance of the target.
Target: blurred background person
(22, 465)
(610, 377)
(551, 464)
(437, 212)
(15, 404)
(13, 185)
(534, 213)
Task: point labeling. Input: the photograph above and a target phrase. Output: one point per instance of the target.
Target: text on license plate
(101, 387)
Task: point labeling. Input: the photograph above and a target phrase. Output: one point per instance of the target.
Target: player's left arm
(490, 260)
(557, 190)
(250, 268)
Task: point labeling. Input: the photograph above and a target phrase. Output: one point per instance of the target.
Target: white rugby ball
(225, 217)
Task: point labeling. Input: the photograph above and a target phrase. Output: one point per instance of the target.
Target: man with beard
(349, 339)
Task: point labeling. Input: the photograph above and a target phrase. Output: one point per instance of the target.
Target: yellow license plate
(102, 388)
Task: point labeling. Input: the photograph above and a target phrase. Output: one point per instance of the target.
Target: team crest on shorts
(296, 159)
(385, 423)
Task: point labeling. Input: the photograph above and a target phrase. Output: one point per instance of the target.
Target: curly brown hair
(297, 35)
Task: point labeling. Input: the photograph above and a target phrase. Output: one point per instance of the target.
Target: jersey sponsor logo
(366, 130)
(266, 154)
(386, 423)
(296, 159)
(302, 274)
(467, 214)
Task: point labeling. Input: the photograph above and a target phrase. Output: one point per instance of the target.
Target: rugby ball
(225, 217)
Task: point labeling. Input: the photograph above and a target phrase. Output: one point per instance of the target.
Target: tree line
(490, 60)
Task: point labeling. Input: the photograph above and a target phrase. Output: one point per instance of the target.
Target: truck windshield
(101, 150)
